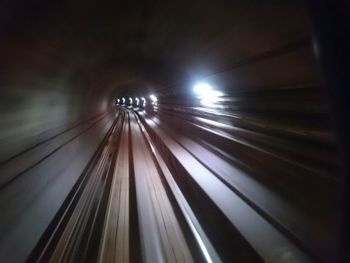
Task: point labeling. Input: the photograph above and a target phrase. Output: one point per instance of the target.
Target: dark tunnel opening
(174, 131)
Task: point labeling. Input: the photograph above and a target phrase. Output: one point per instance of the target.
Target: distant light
(154, 99)
(143, 102)
(118, 100)
(207, 95)
(123, 100)
(202, 89)
(130, 100)
(137, 101)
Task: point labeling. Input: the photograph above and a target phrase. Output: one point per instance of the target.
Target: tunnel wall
(48, 135)
(273, 122)
(280, 138)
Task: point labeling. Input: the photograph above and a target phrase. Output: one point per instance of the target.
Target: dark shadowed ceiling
(64, 59)
(95, 45)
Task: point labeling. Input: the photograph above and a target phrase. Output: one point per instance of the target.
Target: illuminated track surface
(150, 195)
(152, 192)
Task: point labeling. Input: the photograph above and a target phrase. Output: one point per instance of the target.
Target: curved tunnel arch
(65, 63)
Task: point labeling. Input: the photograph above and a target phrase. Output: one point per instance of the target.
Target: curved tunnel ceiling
(90, 46)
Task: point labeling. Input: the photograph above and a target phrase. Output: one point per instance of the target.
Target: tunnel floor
(154, 193)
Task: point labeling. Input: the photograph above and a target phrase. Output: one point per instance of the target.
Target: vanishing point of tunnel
(174, 131)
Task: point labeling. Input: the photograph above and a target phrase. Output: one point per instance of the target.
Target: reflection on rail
(165, 186)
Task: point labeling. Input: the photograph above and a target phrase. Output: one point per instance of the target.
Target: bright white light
(153, 98)
(123, 100)
(208, 97)
(137, 101)
(130, 100)
(202, 89)
(118, 100)
(143, 102)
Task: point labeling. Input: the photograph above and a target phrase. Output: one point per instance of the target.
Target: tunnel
(174, 131)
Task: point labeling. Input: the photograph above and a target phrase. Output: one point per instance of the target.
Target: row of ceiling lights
(136, 101)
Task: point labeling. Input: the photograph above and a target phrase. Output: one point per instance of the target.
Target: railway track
(126, 207)
(147, 197)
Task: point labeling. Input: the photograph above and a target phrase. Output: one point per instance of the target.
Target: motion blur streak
(165, 131)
